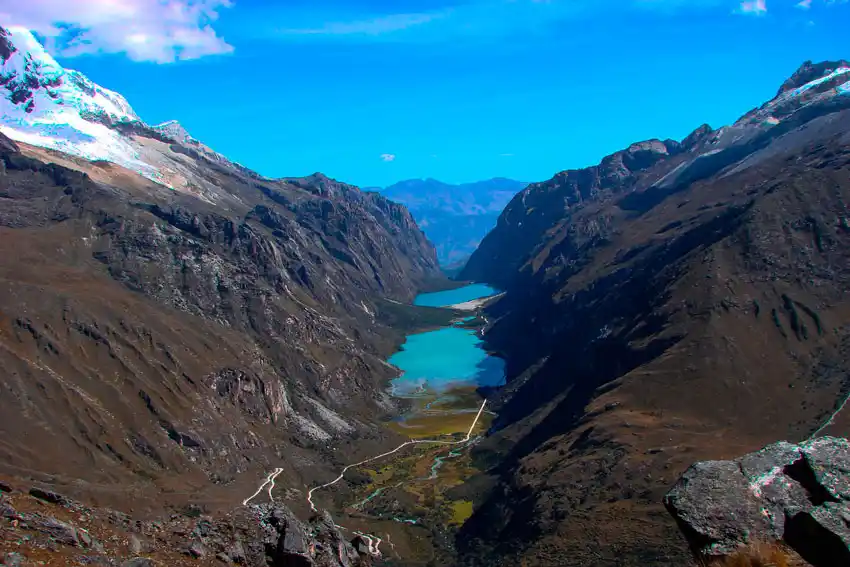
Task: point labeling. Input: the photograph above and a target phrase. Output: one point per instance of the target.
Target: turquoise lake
(452, 357)
(454, 296)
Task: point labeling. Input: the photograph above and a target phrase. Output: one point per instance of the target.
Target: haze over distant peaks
(455, 217)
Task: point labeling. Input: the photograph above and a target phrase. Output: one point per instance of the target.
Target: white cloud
(454, 18)
(388, 157)
(487, 19)
(754, 7)
(804, 4)
(145, 30)
(375, 26)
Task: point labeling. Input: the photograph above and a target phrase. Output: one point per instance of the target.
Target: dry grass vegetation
(461, 511)
(438, 426)
(761, 555)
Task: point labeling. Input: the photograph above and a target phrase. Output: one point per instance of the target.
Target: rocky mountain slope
(175, 326)
(455, 217)
(679, 301)
(40, 527)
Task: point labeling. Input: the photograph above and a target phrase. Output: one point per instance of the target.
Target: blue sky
(376, 91)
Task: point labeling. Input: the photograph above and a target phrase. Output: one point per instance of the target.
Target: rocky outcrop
(267, 535)
(288, 542)
(6, 47)
(796, 493)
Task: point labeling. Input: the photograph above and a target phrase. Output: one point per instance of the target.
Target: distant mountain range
(454, 217)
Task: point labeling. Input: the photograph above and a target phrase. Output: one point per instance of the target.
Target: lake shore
(406, 497)
(474, 304)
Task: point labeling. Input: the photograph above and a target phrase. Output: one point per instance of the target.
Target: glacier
(58, 109)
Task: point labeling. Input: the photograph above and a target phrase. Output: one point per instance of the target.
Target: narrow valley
(212, 354)
(402, 498)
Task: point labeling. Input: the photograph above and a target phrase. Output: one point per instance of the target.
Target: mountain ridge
(174, 330)
(60, 109)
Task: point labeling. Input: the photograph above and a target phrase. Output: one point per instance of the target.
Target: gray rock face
(236, 553)
(60, 531)
(197, 550)
(51, 497)
(317, 543)
(135, 544)
(796, 493)
(13, 560)
(8, 511)
(288, 539)
(293, 540)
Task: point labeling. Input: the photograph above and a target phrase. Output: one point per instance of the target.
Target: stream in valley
(405, 497)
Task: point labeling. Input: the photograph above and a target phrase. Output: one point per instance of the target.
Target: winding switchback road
(268, 482)
(397, 449)
(373, 542)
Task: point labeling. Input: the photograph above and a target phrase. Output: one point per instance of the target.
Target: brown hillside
(153, 344)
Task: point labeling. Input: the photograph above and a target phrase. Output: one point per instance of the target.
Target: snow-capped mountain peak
(811, 84)
(174, 130)
(813, 88)
(809, 72)
(36, 81)
(44, 105)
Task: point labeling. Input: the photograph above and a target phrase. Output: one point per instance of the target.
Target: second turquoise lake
(448, 358)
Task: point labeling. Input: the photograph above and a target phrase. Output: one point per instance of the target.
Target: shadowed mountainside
(681, 301)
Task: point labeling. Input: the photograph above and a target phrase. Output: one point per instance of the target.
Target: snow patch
(367, 310)
(671, 174)
(812, 84)
(47, 106)
(709, 153)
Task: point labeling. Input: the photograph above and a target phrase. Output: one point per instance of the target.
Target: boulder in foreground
(795, 493)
